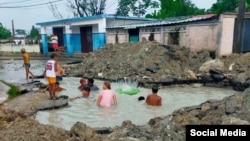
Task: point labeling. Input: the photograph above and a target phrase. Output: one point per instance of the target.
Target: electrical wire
(14, 2)
(115, 3)
(42, 6)
(33, 5)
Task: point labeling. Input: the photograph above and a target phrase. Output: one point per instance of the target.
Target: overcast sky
(24, 18)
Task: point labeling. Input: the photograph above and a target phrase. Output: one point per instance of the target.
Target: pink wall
(202, 37)
(111, 38)
(157, 36)
(182, 39)
(227, 35)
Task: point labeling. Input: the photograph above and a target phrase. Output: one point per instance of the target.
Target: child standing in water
(106, 97)
(50, 74)
(26, 63)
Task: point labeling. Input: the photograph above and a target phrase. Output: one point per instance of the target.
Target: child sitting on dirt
(85, 94)
(57, 88)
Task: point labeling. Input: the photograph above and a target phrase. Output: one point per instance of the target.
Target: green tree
(226, 6)
(135, 7)
(34, 33)
(4, 33)
(175, 8)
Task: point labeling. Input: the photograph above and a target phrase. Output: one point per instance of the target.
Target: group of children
(53, 72)
(106, 97)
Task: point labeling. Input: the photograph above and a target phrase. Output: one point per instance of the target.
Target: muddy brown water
(129, 108)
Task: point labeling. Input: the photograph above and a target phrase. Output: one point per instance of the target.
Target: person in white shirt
(50, 74)
(54, 41)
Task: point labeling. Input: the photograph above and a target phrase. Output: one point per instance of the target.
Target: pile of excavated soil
(137, 60)
(239, 63)
(152, 62)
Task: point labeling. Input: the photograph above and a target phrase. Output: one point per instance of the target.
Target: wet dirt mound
(139, 60)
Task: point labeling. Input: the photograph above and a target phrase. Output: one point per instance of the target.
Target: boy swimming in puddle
(85, 94)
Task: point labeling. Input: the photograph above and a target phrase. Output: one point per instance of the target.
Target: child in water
(106, 97)
(82, 83)
(85, 94)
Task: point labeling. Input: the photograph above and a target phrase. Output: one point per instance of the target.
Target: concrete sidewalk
(3, 92)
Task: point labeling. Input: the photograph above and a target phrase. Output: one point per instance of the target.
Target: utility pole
(239, 29)
(139, 9)
(13, 30)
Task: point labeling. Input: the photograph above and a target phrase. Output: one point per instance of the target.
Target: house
(20, 33)
(84, 34)
(228, 32)
(19, 36)
(209, 32)
(195, 32)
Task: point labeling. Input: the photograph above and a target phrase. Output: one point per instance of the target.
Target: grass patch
(14, 91)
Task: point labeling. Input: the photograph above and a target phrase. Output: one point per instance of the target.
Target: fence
(17, 48)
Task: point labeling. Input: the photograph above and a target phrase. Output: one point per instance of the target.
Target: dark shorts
(59, 78)
(27, 65)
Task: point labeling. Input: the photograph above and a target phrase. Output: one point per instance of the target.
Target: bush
(14, 91)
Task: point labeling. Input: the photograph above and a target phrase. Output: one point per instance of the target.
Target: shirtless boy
(153, 99)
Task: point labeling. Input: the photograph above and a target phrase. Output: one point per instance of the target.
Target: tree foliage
(83, 8)
(34, 33)
(226, 6)
(175, 8)
(135, 7)
(4, 33)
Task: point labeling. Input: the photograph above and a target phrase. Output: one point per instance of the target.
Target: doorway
(133, 35)
(59, 32)
(246, 36)
(86, 39)
(245, 40)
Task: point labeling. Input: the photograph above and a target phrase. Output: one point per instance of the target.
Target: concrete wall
(157, 36)
(99, 40)
(99, 25)
(111, 36)
(227, 23)
(165, 38)
(183, 39)
(202, 37)
(122, 38)
(15, 48)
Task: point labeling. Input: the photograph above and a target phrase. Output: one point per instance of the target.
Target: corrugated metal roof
(169, 21)
(108, 16)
